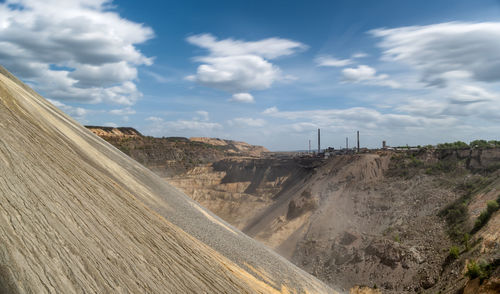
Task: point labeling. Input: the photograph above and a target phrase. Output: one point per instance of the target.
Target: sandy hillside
(78, 216)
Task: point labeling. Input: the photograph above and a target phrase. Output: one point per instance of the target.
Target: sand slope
(78, 216)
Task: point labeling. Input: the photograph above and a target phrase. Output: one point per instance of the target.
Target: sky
(266, 72)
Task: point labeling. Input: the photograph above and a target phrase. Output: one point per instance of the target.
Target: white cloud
(76, 112)
(239, 66)
(192, 125)
(270, 110)
(461, 102)
(77, 50)
(267, 48)
(368, 75)
(237, 73)
(359, 55)
(247, 122)
(154, 119)
(110, 124)
(199, 125)
(357, 118)
(243, 97)
(89, 76)
(438, 49)
(122, 111)
(202, 115)
(182, 127)
(327, 60)
(361, 73)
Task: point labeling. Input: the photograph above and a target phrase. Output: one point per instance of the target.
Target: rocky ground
(170, 156)
(386, 220)
(79, 216)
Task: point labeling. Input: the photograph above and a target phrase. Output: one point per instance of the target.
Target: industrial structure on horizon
(331, 151)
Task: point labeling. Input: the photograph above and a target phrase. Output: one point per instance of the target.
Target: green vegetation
(481, 269)
(483, 144)
(454, 145)
(454, 252)
(466, 241)
(456, 214)
(485, 216)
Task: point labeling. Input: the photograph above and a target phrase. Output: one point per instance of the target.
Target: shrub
(484, 217)
(481, 270)
(492, 206)
(455, 213)
(454, 145)
(466, 241)
(454, 252)
(480, 144)
(473, 270)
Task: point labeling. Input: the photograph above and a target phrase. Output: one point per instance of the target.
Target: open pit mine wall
(257, 172)
(339, 218)
(474, 159)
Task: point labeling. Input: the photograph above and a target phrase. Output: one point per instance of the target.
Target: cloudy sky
(265, 72)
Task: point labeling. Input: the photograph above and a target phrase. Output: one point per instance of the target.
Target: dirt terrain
(386, 220)
(172, 156)
(79, 216)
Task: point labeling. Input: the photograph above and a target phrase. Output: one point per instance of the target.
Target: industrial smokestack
(358, 141)
(346, 143)
(319, 141)
(309, 146)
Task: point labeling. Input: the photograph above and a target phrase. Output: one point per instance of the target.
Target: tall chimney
(309, 146)
(358, 141)
(346, 143)
(319, 141)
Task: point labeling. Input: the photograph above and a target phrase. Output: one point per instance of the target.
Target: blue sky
(265, 72)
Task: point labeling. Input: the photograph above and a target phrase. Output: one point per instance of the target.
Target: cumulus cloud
(367, 74)
(436, 50)
(267, 48)
(242, 97)
(87, 53)
(270, 110)
(239, 66)
(247, 122)
(237, 73)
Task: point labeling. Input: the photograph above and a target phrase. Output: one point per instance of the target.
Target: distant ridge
(114, 131)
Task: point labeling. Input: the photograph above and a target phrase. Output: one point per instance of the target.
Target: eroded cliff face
(369, 219)
(111, 132)
(375, 219)
(170, 156)
(238, 189)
